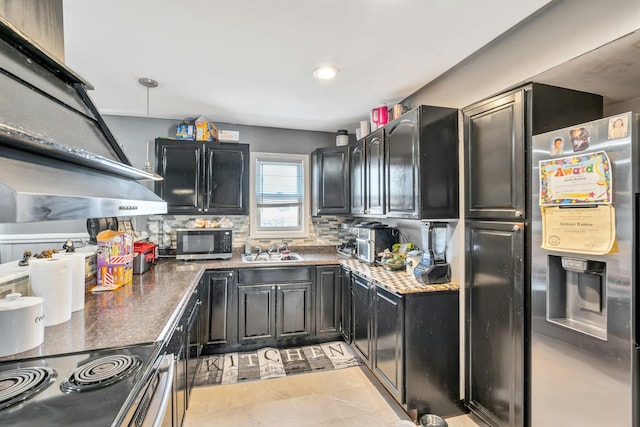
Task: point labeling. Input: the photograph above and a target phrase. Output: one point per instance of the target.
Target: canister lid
(16, 300)
(342, 132)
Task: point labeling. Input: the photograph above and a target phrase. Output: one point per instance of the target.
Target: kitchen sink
(273, 259)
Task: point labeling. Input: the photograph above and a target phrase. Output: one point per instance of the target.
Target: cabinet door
(256, 312)
(181, 166)
(293, 318)
(226, 189)
(331, 186)
(495, 321)
(357, 177)
(495, 159)
(403, 168)
(328, 301)
(345, 314)
(374, 171)
(361, 314)
(388, 324)
(220, 286)
(193, 345)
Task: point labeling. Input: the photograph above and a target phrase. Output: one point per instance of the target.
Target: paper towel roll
(51, 279)
(77, 278)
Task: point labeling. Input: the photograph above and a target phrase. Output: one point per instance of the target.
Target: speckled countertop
(396, 281)
(149, 308)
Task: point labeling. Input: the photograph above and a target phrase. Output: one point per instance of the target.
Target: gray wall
(562, 31)
(133, 132)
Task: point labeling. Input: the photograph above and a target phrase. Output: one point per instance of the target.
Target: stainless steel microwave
(204, 243)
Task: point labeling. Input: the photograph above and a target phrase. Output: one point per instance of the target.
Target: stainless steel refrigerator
(584, 249)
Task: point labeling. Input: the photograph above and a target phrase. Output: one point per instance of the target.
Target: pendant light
(149, 84)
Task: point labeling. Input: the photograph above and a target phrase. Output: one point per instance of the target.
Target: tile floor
(344, 397)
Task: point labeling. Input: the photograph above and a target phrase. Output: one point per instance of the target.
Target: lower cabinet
(328, 301)
(220, 300)
(387, 341)
(256, 312)
(345, 309)
(186, 344)
(274, 304)
(411, 344)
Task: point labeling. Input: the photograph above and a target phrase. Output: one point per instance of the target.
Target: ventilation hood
(58, 159)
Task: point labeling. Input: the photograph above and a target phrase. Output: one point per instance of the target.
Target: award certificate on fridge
(577, 180)
(584, 230)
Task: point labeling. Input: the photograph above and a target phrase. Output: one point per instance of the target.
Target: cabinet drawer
(271, 275)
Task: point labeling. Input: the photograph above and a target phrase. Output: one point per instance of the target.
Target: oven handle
(162, 397)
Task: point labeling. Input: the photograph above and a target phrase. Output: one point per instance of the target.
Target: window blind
(279, 183)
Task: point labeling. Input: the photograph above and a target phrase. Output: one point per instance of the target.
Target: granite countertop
(396, 281)
(147, 310)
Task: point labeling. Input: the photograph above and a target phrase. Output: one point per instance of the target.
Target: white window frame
(253, 211)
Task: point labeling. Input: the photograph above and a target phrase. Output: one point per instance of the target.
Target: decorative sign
(577, 180)
(579, 229)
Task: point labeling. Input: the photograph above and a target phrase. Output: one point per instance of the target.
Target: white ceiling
(251, 62)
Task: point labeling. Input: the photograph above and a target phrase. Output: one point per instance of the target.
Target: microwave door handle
(161, 401)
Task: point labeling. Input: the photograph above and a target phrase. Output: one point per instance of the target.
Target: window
(279, 196)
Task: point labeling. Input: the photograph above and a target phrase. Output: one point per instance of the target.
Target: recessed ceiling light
(325, 73)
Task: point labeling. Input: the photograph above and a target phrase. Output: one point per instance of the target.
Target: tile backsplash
(323, 230)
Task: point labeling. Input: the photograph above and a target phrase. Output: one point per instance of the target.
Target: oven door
(154, 407)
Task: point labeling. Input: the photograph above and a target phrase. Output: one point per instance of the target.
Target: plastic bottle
(247, 246)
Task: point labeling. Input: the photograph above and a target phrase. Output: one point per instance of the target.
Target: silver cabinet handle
(517, 227)
(518, 214)
(179, 328)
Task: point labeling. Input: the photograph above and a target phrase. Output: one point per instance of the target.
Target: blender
(434, 268)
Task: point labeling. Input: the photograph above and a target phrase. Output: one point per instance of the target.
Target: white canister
(22, 323)
(77, 278)
(342, 137)
(50, 278)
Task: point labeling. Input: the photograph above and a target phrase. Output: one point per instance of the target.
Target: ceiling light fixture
(325, 73)
(149, 83)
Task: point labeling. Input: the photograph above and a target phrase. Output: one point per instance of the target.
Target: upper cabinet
(367, 175)
(497, 134)
(374, 190)
(330, 176)
(356, 152)
(421, 164)
(203, 177)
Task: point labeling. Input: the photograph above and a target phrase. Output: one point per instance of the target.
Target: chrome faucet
(261, 253)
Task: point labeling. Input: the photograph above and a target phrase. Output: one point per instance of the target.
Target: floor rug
(231, 368)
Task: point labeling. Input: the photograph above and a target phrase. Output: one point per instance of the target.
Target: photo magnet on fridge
(557, 146)
(618, 127)
(580, 138)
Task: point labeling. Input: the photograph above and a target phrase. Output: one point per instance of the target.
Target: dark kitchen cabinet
(497, 134)
(497, 141)
(203, 177)
(387, 342)
(421, 164)
(194, 347)
(345, 312)
(220, 290)
(361, 315)
(293, 316)
(374, 188)
(331, 187)
(274, 304)
(495, 337)
(256, 313)
(328, 301)
(411, 344)
(357, 173)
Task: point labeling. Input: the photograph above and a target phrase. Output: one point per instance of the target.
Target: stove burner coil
(18, 385)
(101, 372)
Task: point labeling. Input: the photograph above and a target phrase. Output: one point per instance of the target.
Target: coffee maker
(434, 268)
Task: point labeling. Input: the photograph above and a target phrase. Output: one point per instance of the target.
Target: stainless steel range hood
(58, 159)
